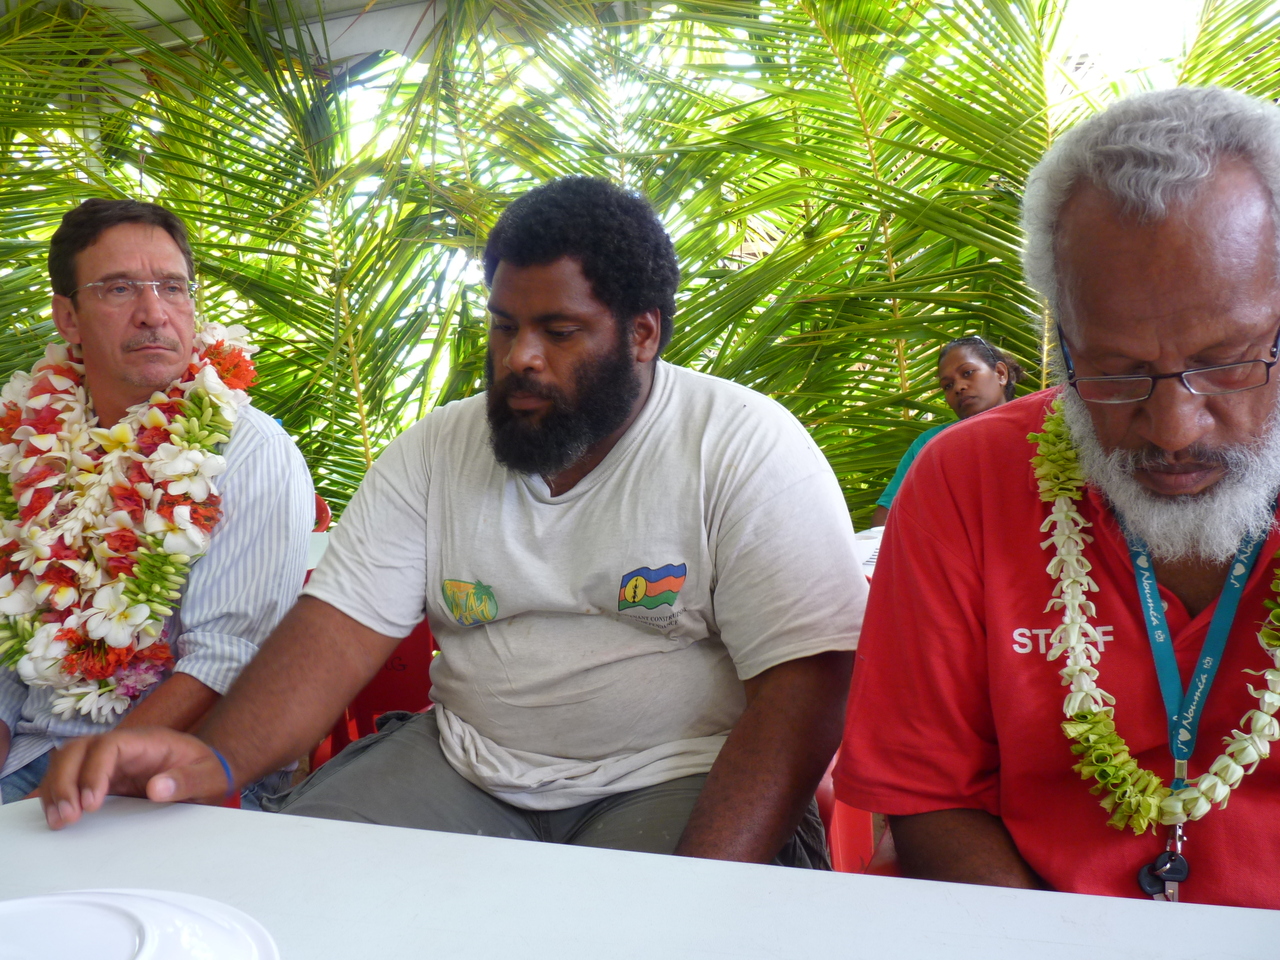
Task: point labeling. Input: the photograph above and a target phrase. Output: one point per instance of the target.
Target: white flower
(1195, 803)
(100, 704)
(1262, 725)
(233, 336)
(15, 391)
(228, 400)
(180, 536)
(1213, 788)
(34, 550)
(1171, 810)
(188, 471)
(118, 437)
(16, 600)
(1227, 770)
(58, 597)
(41, 665)
(112, 619)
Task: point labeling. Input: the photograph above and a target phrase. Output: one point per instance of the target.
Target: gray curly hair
(1150, 152)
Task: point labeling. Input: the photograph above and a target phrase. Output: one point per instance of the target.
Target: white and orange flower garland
(99, 527)
(1135, 797)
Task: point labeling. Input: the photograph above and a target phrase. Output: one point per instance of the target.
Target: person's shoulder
(991, 445)
(694, 392)
(446, 426)
(252, 424)
(1003, 429)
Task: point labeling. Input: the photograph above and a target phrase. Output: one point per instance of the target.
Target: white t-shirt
(594, 642)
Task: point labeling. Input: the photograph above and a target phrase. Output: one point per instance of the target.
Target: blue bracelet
(226, 768)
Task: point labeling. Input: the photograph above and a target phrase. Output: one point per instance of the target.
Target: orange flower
(233, 365)
(150, 439)
(9, 421)
(130, 501)
(122, 541)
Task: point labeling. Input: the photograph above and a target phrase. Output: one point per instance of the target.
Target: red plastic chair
(402, 683)
(851, 834)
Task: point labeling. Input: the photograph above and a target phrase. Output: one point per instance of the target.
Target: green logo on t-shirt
(470, 603)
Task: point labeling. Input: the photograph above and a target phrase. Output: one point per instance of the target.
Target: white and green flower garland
(99, 527)
(1134, 797)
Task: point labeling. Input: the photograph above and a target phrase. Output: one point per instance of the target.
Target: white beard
(1206, 526)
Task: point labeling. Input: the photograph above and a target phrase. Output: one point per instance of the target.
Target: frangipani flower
(234, 335)
(17, 599)
(15, 391)
(189, 471)
(181, 536)
(41, 665)
(100, 703)
(112, 619)
(119, 437)
(228, 400)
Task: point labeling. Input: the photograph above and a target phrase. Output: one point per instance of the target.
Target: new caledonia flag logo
(649, 588)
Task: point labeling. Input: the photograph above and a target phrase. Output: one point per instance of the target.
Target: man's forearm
(962, 846)
(5, 739)
(772, 762)
(289, 695)
(179, 703)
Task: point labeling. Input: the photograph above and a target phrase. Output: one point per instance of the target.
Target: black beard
(606, 388)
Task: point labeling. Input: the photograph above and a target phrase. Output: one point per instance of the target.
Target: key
(1161, 877)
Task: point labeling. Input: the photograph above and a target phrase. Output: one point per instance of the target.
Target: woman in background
(974, 377)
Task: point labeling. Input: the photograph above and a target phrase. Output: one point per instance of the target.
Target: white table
(342, 890)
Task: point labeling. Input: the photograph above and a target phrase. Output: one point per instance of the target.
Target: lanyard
(1183, 710)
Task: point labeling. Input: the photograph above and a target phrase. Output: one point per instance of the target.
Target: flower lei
(1132, 795)
(99, 527)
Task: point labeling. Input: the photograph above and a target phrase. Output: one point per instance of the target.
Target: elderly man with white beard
(1067, 665)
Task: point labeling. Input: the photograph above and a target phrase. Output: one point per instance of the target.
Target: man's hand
(153, 762)
(263, 722)
(772, 762)
(962, 846)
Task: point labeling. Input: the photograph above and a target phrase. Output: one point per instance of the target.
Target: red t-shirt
(955, 703)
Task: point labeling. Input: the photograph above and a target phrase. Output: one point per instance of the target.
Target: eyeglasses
(1202, 381)
(120, 292)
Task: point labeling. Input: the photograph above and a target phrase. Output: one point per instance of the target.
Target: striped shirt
(235, 596)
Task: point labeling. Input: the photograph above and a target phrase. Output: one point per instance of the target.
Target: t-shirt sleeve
(788, 580)
(920, 735)
(375, 569)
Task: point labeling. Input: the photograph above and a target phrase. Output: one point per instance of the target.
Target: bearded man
(1124, 547)
(642, 581)
(153, 527)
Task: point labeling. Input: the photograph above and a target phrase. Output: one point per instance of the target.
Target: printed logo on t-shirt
(470, 603)
(649, 588)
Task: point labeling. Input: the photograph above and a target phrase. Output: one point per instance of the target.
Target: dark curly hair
(990, 356)
(615, 236)
(81, 227)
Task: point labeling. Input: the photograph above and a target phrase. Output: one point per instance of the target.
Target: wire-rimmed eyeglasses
(1203, 381)
(121, 291)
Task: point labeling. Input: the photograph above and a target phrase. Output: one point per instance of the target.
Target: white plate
(129, 925)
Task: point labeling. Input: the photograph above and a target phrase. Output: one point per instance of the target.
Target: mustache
(523, 383)
(1153, 458)
(152, 339)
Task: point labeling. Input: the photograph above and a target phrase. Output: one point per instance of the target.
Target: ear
(646, 333)
(1002, 372)
(65, 319)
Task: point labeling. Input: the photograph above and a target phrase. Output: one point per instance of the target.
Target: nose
(1173, 418)
(148, 308)
(525, 353)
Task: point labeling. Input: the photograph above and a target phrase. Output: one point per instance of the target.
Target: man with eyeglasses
(1064, 672)
(73, 659)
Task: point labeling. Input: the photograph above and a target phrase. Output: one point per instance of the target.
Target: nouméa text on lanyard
(1160, 878)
